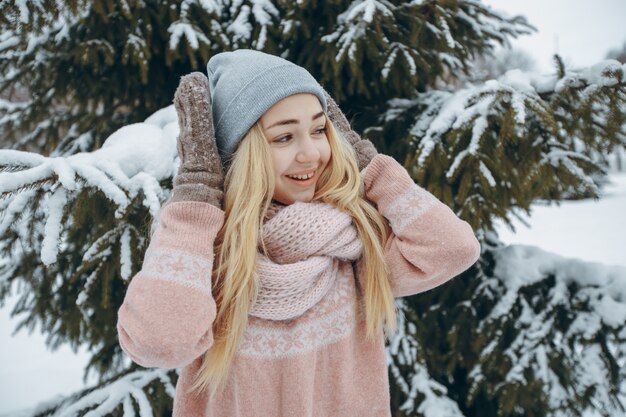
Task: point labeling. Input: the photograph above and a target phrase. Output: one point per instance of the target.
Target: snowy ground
(589, 230)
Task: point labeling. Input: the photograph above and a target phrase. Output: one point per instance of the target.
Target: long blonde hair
(249, 187)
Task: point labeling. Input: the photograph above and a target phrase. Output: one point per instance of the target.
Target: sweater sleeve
(429, 244)
(166, 318)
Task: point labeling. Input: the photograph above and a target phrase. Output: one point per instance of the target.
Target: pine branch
(128, 395)
(530, 330)
(491, 141)
(116, 170)
(421, 394)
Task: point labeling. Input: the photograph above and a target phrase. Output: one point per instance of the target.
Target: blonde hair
(249, 187)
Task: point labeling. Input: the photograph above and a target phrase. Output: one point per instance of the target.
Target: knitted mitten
(365, 150)
(200, 176)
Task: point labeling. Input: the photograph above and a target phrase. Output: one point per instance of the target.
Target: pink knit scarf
(304, 243)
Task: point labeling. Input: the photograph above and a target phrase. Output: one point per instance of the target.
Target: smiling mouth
(302, 177)
(305, 179)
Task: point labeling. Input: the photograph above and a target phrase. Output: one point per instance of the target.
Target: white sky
(581, 31)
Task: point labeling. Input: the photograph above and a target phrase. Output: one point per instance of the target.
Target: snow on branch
(521, 265)
(522, 89)
(605, 73)
(262, 14)
(10, 107)
(133, 388)
(209, 6)
(133, 160)
(589, 342)
(396, 51)
(193, 34)
(402, 351)
(353, 23)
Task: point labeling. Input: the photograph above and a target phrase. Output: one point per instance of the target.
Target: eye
(283, 139)
(321, 131)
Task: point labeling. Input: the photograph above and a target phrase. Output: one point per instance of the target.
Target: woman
(309, 236)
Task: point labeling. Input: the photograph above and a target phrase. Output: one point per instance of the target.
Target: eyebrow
(294, 121)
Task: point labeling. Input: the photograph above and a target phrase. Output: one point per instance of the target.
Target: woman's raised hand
(200, 175)
(365, 150)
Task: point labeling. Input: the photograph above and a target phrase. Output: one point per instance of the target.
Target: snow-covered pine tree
(617, 160)
(504, 339)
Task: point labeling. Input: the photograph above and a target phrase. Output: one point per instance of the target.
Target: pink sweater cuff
(190, 226)
(385, 179)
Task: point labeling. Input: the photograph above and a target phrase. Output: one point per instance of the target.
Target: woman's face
(296, 129)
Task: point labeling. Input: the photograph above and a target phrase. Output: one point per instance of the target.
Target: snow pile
(133, 159)
(139, 147)
(147, 148)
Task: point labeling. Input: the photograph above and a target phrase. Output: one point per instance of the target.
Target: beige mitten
(200, 175)
(365, 149)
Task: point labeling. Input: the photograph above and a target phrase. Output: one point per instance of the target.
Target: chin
(288, 200)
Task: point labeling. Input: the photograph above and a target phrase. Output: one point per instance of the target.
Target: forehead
(302, 106)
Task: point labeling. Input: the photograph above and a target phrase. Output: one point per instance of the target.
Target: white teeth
(301, 177)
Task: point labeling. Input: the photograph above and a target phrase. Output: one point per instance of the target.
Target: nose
(308, 151)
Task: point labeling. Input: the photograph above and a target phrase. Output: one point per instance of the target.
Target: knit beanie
(244, 84)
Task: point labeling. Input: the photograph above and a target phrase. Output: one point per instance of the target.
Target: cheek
(280, 160)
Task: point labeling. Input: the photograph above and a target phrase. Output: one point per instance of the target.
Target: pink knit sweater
(315, 365)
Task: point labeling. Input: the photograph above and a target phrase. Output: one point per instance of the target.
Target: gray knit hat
(244, 84)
